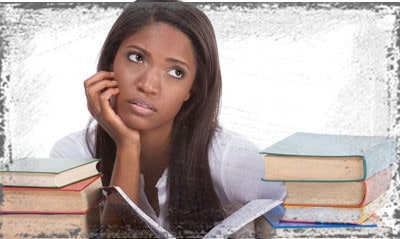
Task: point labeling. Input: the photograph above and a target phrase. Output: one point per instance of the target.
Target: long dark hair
(193, 205)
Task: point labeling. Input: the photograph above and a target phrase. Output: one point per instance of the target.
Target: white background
(285, 68)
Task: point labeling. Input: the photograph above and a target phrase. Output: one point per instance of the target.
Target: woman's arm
(99, 89)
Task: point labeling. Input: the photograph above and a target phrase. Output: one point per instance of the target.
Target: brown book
(50, 225)
(47, 172)
(350, 194)
(316, 214)
(324, 157)
(75, 198)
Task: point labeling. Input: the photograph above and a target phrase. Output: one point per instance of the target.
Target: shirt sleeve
(241, 169)
(73, 145)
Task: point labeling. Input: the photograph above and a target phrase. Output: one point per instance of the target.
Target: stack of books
(49, 197)
(334, 180)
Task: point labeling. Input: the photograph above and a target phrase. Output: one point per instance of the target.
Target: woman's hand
(99, 89)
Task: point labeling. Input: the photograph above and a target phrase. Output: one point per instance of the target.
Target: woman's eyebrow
(176, 61)
(142, 50)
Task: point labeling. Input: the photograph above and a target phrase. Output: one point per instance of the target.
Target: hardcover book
(324, 157)
(50, 225)
(316, 214)
(76, 198)
(47, 172)
(275, 215)
(344, 194)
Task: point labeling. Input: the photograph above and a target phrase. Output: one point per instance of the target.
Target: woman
(156, 100)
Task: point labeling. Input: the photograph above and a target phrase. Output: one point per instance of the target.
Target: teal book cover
(45, 165)
(47, 172)
(376, 152)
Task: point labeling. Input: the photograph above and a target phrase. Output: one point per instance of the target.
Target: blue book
(273, 218)
(331, 158)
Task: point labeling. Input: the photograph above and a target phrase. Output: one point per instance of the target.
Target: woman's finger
(106, 108)
(94, 86)
(101, 75)
(100, 86)
(94, 92)
(108, 118)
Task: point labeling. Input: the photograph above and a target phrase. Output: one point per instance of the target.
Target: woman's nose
(149, 82)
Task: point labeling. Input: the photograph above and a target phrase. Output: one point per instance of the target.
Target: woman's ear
(188, 95)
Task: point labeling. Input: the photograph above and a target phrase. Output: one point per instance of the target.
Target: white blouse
(235, 163)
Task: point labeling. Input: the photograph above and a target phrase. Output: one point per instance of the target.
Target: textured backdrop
(326, 68)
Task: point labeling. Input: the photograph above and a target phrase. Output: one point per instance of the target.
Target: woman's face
(155, 69)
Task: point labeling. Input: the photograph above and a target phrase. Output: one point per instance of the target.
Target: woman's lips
(141, 107)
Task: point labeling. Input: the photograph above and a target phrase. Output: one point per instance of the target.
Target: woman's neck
(154, 155)
(154, 151)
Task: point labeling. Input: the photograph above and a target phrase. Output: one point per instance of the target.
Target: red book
(75, 198)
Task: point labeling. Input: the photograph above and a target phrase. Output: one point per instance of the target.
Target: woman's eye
(176, 73)
(135, 57)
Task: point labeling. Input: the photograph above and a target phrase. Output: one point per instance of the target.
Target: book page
(241, 217)
(139, 224)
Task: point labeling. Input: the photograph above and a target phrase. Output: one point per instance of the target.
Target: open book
(230, 225)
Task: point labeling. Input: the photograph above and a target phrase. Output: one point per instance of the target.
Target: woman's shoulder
(231, 149)
(226, 139)
(78, 144)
